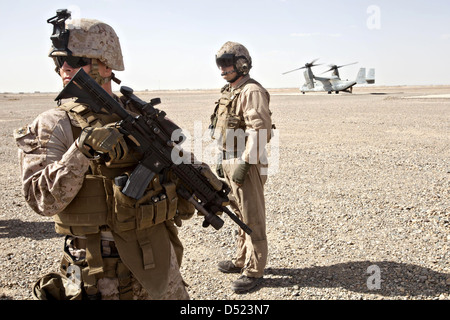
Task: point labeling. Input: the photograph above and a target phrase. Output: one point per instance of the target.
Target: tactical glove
(240, 172)
(105, 140)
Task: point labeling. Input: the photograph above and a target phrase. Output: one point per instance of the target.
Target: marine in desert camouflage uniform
(111, 251)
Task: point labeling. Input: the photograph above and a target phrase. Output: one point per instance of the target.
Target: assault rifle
(151, 133)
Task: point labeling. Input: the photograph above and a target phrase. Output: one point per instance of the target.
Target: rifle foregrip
(214, 220)
(211, 218)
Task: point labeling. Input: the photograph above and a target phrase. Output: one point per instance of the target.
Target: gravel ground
(360, 189)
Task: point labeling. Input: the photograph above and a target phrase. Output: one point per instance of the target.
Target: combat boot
(228, 267)
(244, 283)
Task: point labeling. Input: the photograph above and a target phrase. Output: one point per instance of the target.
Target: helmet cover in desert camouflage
(233, 53)
(91, 38)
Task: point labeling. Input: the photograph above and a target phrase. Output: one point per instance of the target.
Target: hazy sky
(170, 44)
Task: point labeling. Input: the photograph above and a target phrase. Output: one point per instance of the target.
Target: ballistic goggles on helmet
(74, 62)
(227, 60)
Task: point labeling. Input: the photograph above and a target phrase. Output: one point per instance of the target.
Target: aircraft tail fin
(309, 78)
(370, 76)
(361, 77)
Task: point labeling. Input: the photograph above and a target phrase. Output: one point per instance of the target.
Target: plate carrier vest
(143, 229)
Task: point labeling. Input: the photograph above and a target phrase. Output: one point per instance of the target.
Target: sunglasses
(74, 62)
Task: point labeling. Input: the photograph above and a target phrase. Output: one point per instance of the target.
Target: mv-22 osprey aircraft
(333, 83)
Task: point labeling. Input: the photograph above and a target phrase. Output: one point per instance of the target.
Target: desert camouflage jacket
(52, 168)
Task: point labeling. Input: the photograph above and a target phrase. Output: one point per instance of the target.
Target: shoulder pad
(21, 132)
(73, 106)
(26, 140)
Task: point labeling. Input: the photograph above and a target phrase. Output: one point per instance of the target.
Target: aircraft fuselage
(332, 85)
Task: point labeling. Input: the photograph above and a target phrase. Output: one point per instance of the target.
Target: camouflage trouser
(248, 203)
(109, 287)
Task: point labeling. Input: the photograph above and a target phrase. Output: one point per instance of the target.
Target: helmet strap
(113, 78)
(238, 74)
(95, 74)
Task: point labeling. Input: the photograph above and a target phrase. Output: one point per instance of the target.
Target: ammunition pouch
(78, 275)
(55, 286)
(156, 206)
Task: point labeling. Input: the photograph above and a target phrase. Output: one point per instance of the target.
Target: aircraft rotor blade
(307, 65)
(329, 70)
(312, 64)
(293, 70)
(335, 67)
(347, 64)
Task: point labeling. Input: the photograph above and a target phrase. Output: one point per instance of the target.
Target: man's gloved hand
(240, 172)
(104, 140)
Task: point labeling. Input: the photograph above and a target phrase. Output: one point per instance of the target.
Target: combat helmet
(86, 38)
(234, 54)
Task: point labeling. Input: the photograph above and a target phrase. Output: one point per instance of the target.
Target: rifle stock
(152, 134)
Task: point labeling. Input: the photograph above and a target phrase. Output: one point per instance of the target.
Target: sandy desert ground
(360, 188)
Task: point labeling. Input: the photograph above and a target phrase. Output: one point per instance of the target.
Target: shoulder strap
(77, 122)
(225, 87)
(81, 117)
